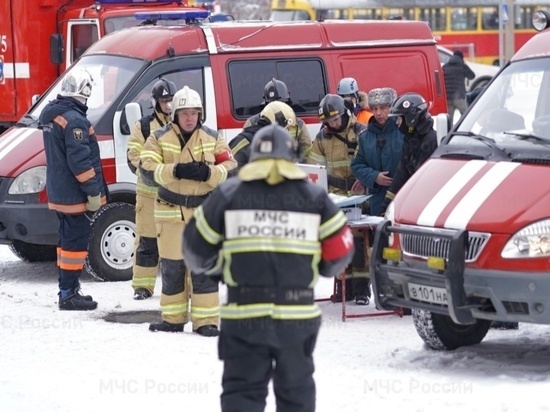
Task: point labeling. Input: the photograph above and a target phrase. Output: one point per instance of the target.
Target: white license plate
(428, 293)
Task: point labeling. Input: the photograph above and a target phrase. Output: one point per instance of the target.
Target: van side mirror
(130, 115)
(57, 51)
(442, 126)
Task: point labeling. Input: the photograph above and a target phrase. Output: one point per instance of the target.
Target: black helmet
(411, 106)
(332, 107)
(276, 90)
(163, 88)
(273, 142)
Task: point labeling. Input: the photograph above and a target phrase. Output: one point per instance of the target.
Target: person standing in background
(355, 99)
(74, 181)
(146, 254)
(455, 72)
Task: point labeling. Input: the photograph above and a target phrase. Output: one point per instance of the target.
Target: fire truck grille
(424, 246)
(521, 308)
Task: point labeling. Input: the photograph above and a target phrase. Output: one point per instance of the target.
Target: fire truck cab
(39, 39)
(467, 239)
(228, 64)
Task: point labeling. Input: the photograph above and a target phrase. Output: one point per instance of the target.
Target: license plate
(428, 293)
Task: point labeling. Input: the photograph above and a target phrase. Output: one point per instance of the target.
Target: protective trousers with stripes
(176, 284)
(146, 256)
(72, 245)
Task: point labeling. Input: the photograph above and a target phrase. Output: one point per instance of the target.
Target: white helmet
(279, 113)
(186, 98)
(348, 87)
(78, 83)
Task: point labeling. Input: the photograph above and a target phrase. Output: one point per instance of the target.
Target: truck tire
(111, 246)
(439, 332)
(30, 252)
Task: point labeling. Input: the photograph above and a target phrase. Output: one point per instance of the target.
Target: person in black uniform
(74, 181)
(419, 142)
(268, 233)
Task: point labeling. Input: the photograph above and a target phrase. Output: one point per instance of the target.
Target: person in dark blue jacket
(379, 149)
(74, 181)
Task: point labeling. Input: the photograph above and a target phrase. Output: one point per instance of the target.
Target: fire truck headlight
(30, 181)
(531, 241)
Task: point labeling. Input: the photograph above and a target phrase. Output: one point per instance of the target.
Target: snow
(77, 361)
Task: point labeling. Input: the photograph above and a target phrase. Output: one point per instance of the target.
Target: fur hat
(384, 96)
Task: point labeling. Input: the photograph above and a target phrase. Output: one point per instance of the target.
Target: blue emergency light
(188, 15)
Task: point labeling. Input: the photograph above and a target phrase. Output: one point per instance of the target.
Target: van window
(305, 79)
(193, 78)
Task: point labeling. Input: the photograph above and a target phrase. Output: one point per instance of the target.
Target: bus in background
(461, 23)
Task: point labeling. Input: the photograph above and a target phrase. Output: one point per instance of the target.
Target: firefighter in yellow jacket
(146, 255)
(335, 146)
(187, 160)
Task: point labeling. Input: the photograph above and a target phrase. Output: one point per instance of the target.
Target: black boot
(77, 301)
(337, 297)
(208, 331)
(166, 327)
(142, 294)
(361, 291)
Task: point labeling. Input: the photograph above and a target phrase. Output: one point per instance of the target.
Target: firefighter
(276, 90)
(268, 234)
(74, 181)
(275, 112)
(187, 160)
(335, 146)
(146, 253)
(355, 99)
(419, 142)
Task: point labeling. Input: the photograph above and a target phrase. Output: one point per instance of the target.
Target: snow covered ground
(63, 361)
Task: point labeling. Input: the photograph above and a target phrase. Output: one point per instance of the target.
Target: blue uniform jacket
(72, 156)
(379, 150)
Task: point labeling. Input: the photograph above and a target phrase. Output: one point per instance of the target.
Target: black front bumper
(23, 218)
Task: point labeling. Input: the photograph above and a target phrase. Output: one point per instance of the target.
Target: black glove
(198, 171)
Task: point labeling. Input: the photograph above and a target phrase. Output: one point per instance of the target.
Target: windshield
(110, 75)
(514, 111)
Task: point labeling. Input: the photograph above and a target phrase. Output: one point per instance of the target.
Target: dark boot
(337, 297)
(142, 294)
(361, 291)
(76, 301)
(208, 331)
(166, 327)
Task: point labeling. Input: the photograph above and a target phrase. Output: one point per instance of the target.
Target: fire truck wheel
(441, 333)
(29, 252)
(111, 246)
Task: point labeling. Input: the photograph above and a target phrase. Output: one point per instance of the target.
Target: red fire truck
(228, 64)
(39, 39)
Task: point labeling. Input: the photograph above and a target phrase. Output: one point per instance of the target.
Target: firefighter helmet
(348, 87)
(186, 98)
(411, 106)
(77, 83)
(276, 90)
(331, 107)
(273, 142)
(279, 113)
(162, 89)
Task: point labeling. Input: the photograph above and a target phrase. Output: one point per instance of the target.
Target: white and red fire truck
(467, 240)
(228, 64)
(39, 39)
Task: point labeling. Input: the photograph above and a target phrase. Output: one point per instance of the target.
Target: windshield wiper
(528, 135)
(26, 121)
(484, 139)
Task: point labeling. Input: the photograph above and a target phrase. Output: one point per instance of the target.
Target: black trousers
(257, 350)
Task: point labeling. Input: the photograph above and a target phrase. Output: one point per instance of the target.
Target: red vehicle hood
(494, 197)
(21, 148)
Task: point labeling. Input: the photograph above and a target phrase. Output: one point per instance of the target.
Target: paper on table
(346, 201)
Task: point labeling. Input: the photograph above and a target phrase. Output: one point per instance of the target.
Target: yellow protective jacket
(336, 150)
(165, 149)
(135, 146)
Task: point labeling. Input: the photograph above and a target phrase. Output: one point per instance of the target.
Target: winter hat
(384, 96)
(458, 53)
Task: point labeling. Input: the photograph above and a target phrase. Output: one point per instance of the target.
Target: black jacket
(456, 72)
(418, 146)
(240, 144)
